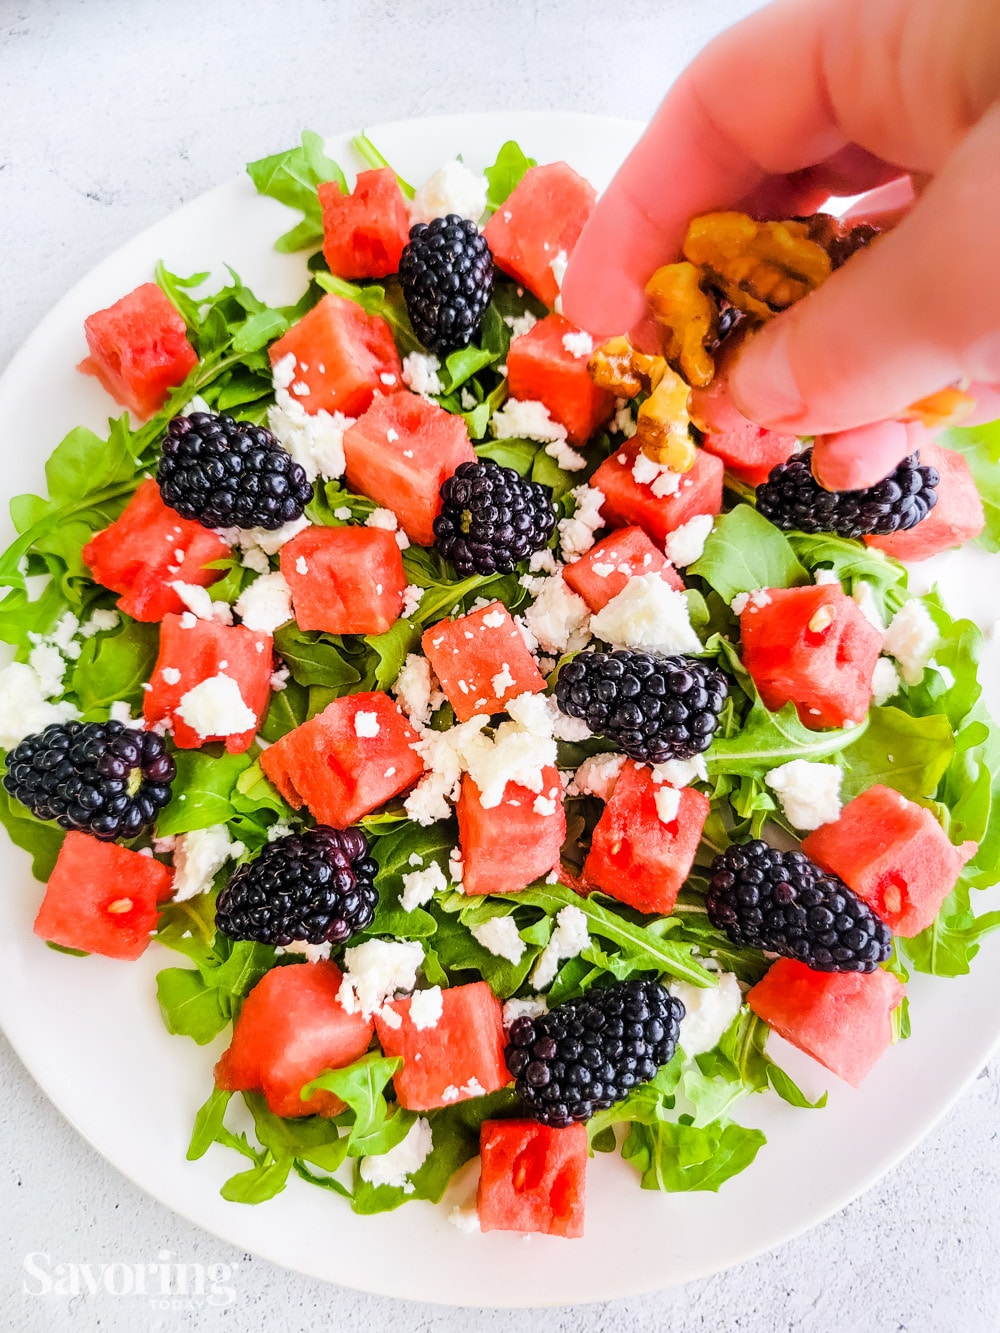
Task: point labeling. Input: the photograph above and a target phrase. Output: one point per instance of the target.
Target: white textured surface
(112, 114)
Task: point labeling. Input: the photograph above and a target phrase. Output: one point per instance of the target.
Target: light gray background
(112, 112)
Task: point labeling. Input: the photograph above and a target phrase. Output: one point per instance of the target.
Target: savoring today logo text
(166, 1284)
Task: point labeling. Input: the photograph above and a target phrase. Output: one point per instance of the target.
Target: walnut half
(689, 317)
(761, 267)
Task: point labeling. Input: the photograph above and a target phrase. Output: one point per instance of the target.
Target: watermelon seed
(823, 619)
(120, 905)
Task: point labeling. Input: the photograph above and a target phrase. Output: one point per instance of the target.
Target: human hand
(805, 99)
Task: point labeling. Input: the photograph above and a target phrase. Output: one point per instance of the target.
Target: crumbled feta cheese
(279, 830)
(452, 189)
(519, 751)
(312, 953)
(271, 540)
(417, 690)
(375, 971)
(426, 1007)
(809, 792)
(526, 419)
(568, 459)
(412, 597)
(668, 803)
(686, 544)
(542, 562)
(569, 939)
(283, 371)
(681, 772)
(822, 576)
(171, 675)
(576, 533)
(419, 886)
(420, 373)
(394, 1168)
(465, 1220)
(868, 606)
(558, 617)
(265, 604)
(911, 639)
(315, 440)
(502, 681)
(215, 707)
(885, 681)
(198, 602)
(49, 665)
(578, 343)
(366, 724)
(623, 420)
(456, 866)
(24, 708)
(495, 619)
(343, 513)
(708, 1012)
(99, 622)
(647, 614)
(499, 936)
(520, 324)
(571, 729)
(382, 518)
(660, 479)
(757, 598)
(532, 1006)
(597, 775)
(120, 711)
(279, 679)
(198, 856)
(544, 806)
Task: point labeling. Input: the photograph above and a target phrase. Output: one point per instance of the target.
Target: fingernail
(852, 459)
(762, 381)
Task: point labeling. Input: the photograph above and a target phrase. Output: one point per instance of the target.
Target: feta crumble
(558, 617)
(419, 886)
(199, 856)
(686, 544)
(499, 936)
(757, 598)
(578, 343)
(647, 614)
(417, 689)
(452, 189)
(366, 724)
(48, 663)
(395, 1167)
(623, 421)
(520, 324)
(265, 604)
(465, 1220)
(527, 419)
(215, 707)
(426, 1008)
(709, 1011)
(569, 939)
(576, 533)
(171, 675)
(532, 1006)
(598, 775)
(681, 772)
(885, 681)
(809, 792)
(382, 518)
(198, 602)
(668, 803)
(412, 597)
(660, 479)
(420, 373)
(375, 971)
(24, 706)
(315, 440)
(502, 681)
(867, 605)
(99, 622)
(911, 639)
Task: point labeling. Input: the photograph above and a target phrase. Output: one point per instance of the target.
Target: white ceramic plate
(89, 1031)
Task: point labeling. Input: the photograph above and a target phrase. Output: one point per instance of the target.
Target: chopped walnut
(689, 317)
(760, 267)
(621, 368)
(662, 424)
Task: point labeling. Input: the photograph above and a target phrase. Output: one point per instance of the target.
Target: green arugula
(291, 177)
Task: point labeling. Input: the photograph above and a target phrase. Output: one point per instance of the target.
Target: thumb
(906, 317)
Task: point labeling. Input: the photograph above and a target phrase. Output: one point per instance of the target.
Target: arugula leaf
(190, 1007)
(768, 739)
(315, 658)
(291, 177)
(208, 1123)
(202, 791)
(362, 1087)
(505, 173)
(909, 754)
(980, 447)
(113, 666)
(854, 563)
(386, 301)
(949, 944)
(744, 552)
(369, 154)
(680, 1156)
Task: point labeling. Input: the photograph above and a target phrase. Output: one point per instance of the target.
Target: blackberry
(447, 275)
(317, 886)
(654, 708)
(491, 518)
(99, 777)
(785, 903)
(230, 474)
(793, 498)
(589, 1053)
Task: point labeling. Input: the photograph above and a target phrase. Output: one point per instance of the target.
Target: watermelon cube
(399, 454)
(148, 548)
(458, 1057)
(541, 367)
(347, 761)
(508, 846)
(533, 232)
(481, 661)
(533, 1177)
(364, 232)
(290, 1029)
(102, 898)
(957, 517)
(627, 501)
(345, 580)
(894, 854)
(841, 1019)
(748, 450)
(603, 572)
(211, 682)
(342, 357)
(636, 856)
(139, 349)
(812, 646)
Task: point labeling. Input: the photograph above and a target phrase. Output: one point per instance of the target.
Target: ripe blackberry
(793, 498)
(654, 708)
(784, 902)
(230, 474)
(491, 518)
(317, 886)
(99, 777)
(589, 1053)
(447, 275)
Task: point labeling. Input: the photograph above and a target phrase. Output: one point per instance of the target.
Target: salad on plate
(505, 733)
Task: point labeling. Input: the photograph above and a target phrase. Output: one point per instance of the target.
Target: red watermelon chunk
(400, 452)
(841, 1019)
(540, 221)
(636, 857)
(601, 574)
(195, 651)
(533, 1177)
(894, 854)
(102, 898)
(364, 232)
(343, 357)
(508, 846)
(341, 765)
(541, 367)
(459, 1057)
(148, 548)
(139, 349)
(481, 661)
(290, 1029)
(345, 580)
(957, 517)
(748, 450)
(627, 501)
(812, 646)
